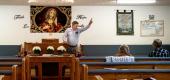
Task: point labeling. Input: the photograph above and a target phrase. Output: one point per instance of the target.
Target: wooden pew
(7, 65)
(102, 59)
(128, 65)
(77, 69)
(10, 59)
(124, 65)
(10, 74)
(130, 74)
(92, 59)
(144, 62)
(23, 73)
(7, 61)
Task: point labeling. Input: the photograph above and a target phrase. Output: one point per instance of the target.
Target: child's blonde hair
(124, 51)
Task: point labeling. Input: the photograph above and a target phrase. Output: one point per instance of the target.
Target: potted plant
(36, 50)
(61, 50)
(50, 50)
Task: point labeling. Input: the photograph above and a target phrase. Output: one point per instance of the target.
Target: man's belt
(72, 46)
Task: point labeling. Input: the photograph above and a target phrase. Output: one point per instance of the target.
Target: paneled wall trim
(110, 50)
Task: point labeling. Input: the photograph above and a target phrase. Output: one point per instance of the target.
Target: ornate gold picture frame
(50, 19)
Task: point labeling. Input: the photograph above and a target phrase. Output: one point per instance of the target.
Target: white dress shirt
(72, 36)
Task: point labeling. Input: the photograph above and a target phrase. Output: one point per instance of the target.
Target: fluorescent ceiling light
(46, 1)
(135, 1)
(32, 1)
(68, 1)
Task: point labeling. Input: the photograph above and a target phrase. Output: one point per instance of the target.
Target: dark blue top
(159, 52)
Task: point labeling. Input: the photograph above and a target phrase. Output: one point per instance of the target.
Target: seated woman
(123, 55)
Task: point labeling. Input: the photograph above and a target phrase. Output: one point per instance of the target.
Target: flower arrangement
(61, 49)
(36, 50)
(50, 50)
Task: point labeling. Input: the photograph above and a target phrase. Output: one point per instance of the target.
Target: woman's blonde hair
(47, 16)
(123, 51)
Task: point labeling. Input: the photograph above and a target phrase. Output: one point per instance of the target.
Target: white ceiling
(76, 2)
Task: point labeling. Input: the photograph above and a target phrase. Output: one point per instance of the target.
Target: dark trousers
(72, 49)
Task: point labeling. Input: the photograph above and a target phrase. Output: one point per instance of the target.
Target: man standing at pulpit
(71, 35)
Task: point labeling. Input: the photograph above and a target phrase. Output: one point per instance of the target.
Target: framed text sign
(152, 28)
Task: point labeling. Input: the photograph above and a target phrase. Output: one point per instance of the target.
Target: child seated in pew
(124, 51)
(158, 50)
(123, 55)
